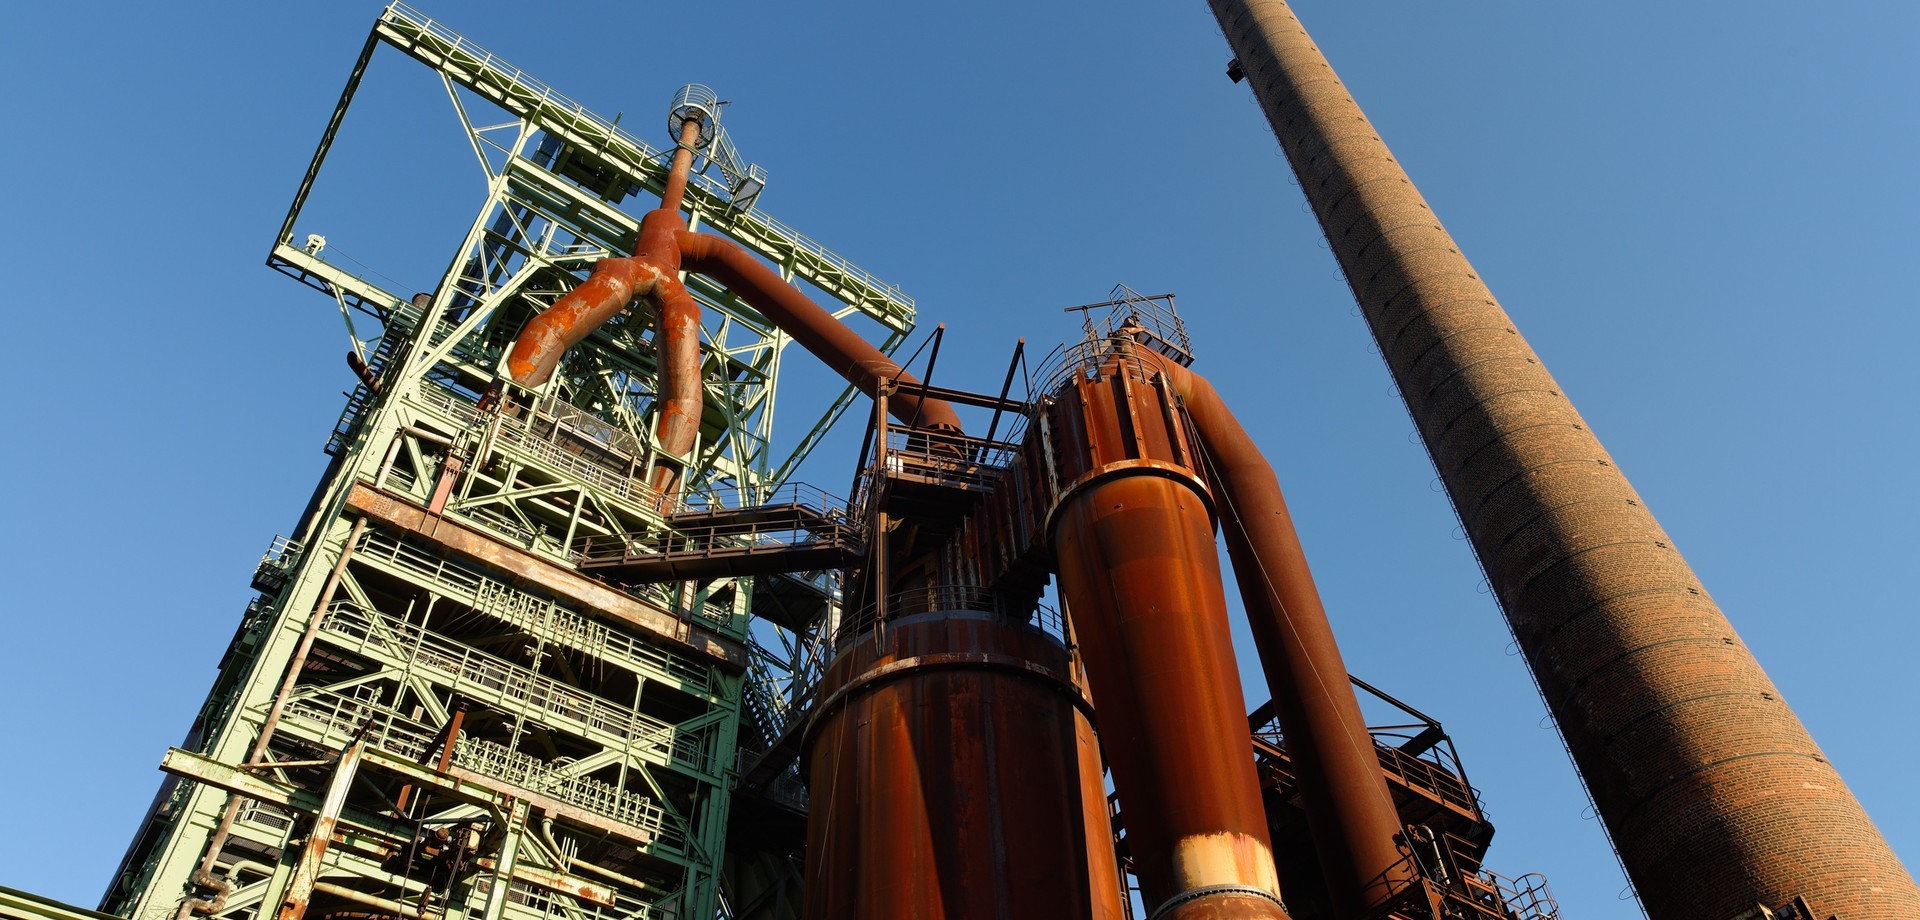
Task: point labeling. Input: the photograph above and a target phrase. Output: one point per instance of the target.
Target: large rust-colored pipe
(663, 247)
(677, 425)
(652, 272)
(828, 339)
(1348, 806)
(1715, 795)
(675, 190)
(1133, 539)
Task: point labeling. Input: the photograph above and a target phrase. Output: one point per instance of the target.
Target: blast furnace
(559, 636)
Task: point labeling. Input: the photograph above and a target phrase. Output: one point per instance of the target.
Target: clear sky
(1702, 215)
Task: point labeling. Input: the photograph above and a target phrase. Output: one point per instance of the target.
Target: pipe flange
(1208, 891)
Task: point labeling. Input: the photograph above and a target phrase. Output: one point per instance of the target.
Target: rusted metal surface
(1348, 804)
(1141, 578)
(1713, 790)
(1106, 886)
(612, 284)
(293, 906)
(449, 737)
(946, 779)
(571, 886)
(443, 485)
(677, 175)
(363, 371)
(826, 338)
(678, 342)
(615, 282)
(454, 724)
(660, 250)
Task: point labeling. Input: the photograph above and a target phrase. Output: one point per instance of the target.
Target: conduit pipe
(1132, 537)
(395, 908)
(1349, 809)
(828, 339)
(1715, 794)
(653, 272)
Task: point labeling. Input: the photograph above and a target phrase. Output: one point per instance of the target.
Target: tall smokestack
(1716, 796)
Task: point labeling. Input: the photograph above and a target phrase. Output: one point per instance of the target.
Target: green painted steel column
(509, 854)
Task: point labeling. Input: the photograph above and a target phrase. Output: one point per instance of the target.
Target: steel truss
(459, 722)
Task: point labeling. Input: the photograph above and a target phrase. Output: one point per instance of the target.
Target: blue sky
(1703, 217)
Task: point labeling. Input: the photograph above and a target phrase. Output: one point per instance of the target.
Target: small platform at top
(1150, 319)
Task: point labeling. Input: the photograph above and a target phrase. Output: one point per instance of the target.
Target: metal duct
(1352, 815)
(1133, 537)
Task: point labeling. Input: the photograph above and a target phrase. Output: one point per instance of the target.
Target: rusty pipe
(828, 339)
(616, 281)
(613, 283)
(682, 168)
(677, 426)
(1349, 809)
(1132, 535)
(653, 273)
(1138, 569)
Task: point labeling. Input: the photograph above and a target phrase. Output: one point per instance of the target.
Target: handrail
(1086, 360)
(516, 685)
(795, 515)
(796, 533)
(335, 712)
(531, 90)
(527, 611)
(950, 597)
(557, 418)
(1434, 773)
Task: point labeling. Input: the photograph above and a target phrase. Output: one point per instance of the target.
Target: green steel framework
(592, 733)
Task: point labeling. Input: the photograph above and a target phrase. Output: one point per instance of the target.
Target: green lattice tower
(435, 572)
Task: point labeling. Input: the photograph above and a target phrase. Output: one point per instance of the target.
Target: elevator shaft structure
(1715, 795)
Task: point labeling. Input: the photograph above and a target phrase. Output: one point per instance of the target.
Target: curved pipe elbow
(680, 402)
(545, 338)
(612, 284)
(828, 339)
(1349, 808)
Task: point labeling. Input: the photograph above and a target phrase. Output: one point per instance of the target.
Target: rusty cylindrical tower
(1712, 789)
(1132, 533)
(953, 774)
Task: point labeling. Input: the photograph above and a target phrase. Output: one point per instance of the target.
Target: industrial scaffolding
(430, 709)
